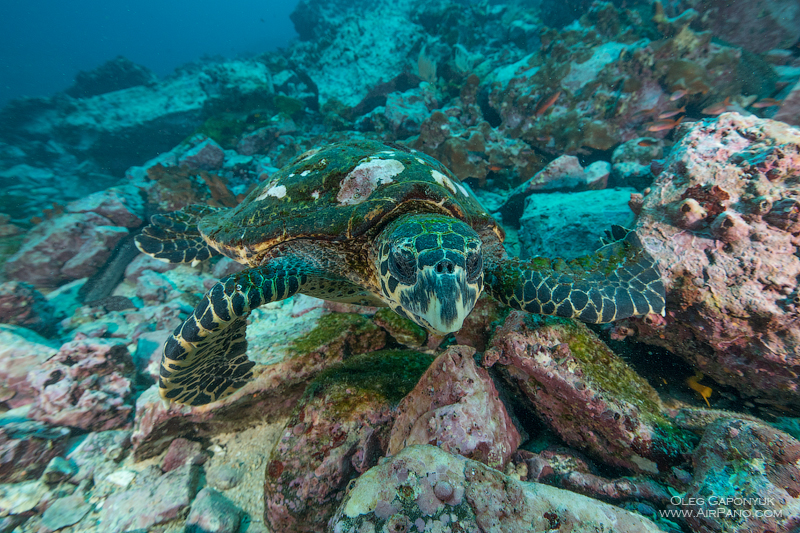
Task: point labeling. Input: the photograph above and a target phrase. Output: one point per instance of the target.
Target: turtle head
(430, 270)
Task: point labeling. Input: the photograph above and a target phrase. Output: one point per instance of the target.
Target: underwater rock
(426, 488)
(789, 111)
(85, 385)
(99, 454)
(154, 503)
(563, 173)
(212, 512)
(570, 225)
(589, 396)
(206, 155)
(339, 430)
(765, 464)
(65, 248)
(181, 452)
(21, 350)
(113, 75)
(122, 205)
(65, 511)
(758, 27)
(456, 405)
(722, 220)
(22, 305)
(568, 469)
(631, 161)
(125, 127)
(288, 354)
(480, 323)
(354, 46)
(27, 447)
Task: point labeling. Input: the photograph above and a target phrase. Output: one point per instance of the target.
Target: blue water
(44, 43)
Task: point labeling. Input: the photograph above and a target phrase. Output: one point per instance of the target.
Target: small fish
(664, 125)
(677, 95)
(648, 111)
(718, 108)
(669, 114)
(544, 139)
(546, 105)
(766, 102)
(647, 142)
(495, 168)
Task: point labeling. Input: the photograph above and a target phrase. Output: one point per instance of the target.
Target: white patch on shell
(315, 195)
(270, 189)
(305, 173)
(365, 178)
(446, 182)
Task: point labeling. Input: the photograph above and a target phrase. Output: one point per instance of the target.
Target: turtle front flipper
(618, 281)
(174, 237)
(205, 358)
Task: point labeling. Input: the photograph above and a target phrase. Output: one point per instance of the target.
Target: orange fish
(546, 105)
(495, 168)
(677, 95)
(647, 142)
(718, 108)
(672, 113)
(664, 125)
(766, 102)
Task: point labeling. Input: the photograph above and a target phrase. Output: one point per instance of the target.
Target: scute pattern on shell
(311, 204)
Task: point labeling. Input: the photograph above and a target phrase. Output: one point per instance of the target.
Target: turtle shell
(342, 192)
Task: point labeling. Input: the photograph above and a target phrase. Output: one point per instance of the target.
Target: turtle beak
(442, 298)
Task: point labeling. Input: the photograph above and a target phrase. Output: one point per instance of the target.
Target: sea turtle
(375, 224)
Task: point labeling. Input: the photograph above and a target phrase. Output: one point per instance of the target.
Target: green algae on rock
(338, 430)
(569, 374)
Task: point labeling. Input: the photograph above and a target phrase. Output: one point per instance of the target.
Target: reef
(563, 120)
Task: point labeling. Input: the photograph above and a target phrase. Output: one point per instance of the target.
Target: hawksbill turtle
(374, 224)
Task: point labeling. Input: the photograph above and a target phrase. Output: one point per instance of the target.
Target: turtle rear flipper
(174, 237)
(204, 359)
(620, 280)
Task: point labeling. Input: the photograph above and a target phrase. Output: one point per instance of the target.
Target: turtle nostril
(445, 266)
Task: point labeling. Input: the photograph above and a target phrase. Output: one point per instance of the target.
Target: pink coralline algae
(426, 488)
(723, 221)
(65, 248)
(22, 305)
(587, 394)
(85, 385)
(456, 406)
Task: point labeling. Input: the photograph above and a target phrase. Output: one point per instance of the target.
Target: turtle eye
(403, 265)
(474, 266)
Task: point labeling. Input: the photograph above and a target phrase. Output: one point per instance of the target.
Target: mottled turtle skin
(376, 224)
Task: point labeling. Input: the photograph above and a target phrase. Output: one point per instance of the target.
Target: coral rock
(21, 350)
(765, 464)
(587, 394)
(721, 221)
(206, 155)
(68, 247)
(85, 385)
(292, 353)
(426, 488)
(212, 512)
(570, 225)
(27, 447)
(22, 305)
(339, 431)
(122, 206)
(159, 501)
(463, 415)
